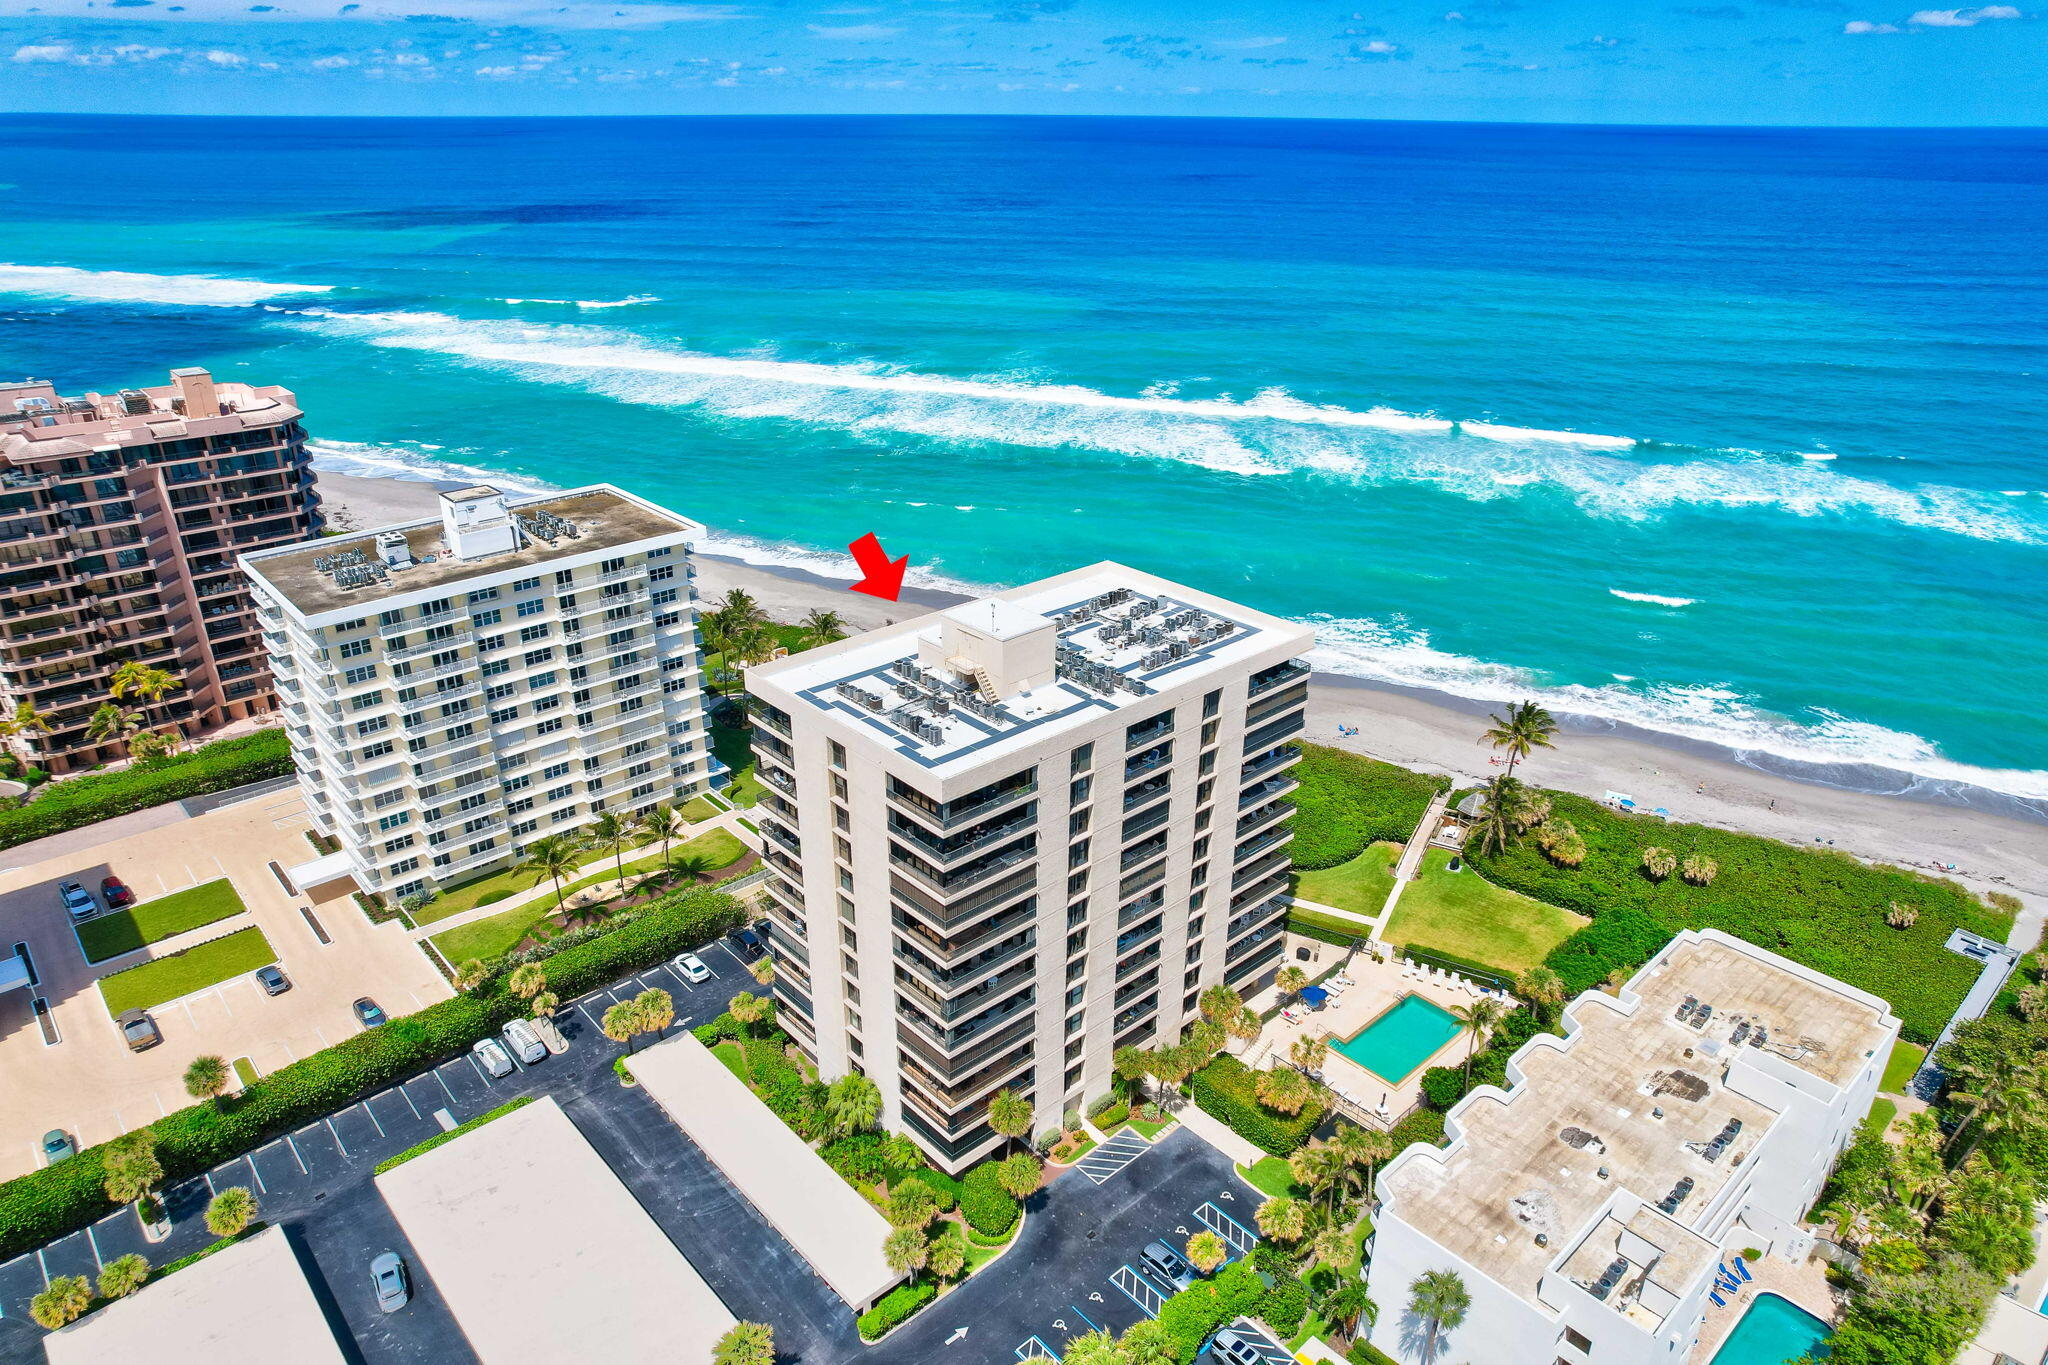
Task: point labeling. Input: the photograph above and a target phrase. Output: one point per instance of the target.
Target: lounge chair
(1741, 1265)
(1291, 1016)
(1719, 1302)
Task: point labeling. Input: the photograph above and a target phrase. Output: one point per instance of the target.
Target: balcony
(1146, 791)
(945, 981)
(413, 623)
(950, 883)
(975, 804)
(1260, 843)
(968, 1001)
(1146, 732)
(951, 1040)
(954, 847)
(1146, 823)
(961, 912)
(1267, 762)
(1149, 761)
(1272, 732)
(1275, 861)
(1264, 815)
(426, 647)
(1279, 675)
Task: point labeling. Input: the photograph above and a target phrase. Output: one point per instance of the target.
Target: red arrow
(881, 576)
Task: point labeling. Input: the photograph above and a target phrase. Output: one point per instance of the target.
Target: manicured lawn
(1272, 1176)
(733, 747)
(1900, 1066)
(597, 867)
(729, 1053)
(200, 966)
(698, 808)
(245, 1071)
(495, 935)
(124, 931)
(1079, 1150)
(1881, 1115)
(1360, 886)
(1153, 1130)
(1463, 914)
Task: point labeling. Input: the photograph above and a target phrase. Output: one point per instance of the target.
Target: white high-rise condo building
(1014, 835)
(1591, 1207)
(455, 688)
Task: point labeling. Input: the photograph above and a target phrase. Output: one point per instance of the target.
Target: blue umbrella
(1313, 995)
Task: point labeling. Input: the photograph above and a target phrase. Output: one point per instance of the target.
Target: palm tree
(1323, 1170)
(1290, 980)
(1220, 1003)
(853, 1104)
(1148, 1343)
(1020, 1175)
(912, 1204)
(1699, 869)
(130, 1167)
(1659, 862)
(470, 974)
(123, 1275)
(230, 1211)
(62, 1303)
(656, 1008)
(1346, 1305)
(112, 722)
(527, 980)
(621, 1023)
(665, 823)
(612, 831)
(947, 1256)
(1244, 1025)
(1499, 818)
(1526, 726)
(1009, 1113)
(1283, 1090)
(747, 1343)
(1363, 1147)
(545, 1004)
(1171, 1066)
(206, 1078)
(1206, 1252)
(26, 720)
(1205, 1038)
(1478, 1019)
(906, 1251)
(2000, 1100)
(738, 608)
(763, 970)
(1309, 1053)
(1542, 988)
(1332, 1247)
(1439, 1298)
(1282, 1218)
(1131, 1066)
(552, 856)
(1561, 841)
(1094, 1348)
(822, 627)
(135, 679)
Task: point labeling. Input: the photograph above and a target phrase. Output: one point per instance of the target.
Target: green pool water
(1402, 1039)
(1774, 1331)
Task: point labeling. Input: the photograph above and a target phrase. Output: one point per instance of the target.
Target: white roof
(248, 1303)
(541, 1252)
(13, 973)
(329, 867)
(997, 618)
(822, 1216)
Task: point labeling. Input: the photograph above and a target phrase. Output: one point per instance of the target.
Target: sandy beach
(1910, 824)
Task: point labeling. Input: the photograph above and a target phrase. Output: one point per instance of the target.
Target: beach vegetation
(1658, 862)
(1347, 801)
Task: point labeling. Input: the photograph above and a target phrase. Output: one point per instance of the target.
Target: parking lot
(67, 1066)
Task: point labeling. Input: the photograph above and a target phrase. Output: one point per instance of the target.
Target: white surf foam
(628, 302)
(1271, 433)
(1821, 456)
(413, 462)
(126, 286)
(1397, 653)
(1652, 598)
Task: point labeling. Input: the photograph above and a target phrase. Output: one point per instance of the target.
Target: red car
(115, 893)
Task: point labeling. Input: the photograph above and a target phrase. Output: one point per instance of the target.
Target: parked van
(524, 1042)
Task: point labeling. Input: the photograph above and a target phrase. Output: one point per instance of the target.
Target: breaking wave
(127, 286)
(1652, 598)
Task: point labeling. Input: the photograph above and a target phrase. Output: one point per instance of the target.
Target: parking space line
(43, 1266)
(408, 1101)
(99, 1263)
(1083, 1316)
(436, 1073)
(737, 960)
(373, 1119)
(478, 1069)
(255, 1174)
(295, 1154)
(211, 1188)
(337, 1138)
(1034, 1348)
(1138, 1290)
(1236, 1235)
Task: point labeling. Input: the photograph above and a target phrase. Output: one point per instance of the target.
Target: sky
(1817, 62)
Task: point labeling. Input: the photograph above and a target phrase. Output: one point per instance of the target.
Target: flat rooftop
(249, 1302)
(602, 518)
(1119, 636)
(819, 1214)
(542, 1254)
(52, 425)
(1638, 1093)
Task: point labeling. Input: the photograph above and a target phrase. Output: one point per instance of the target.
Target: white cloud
(1960, 18)
(44, 52)
(1865, 26)
(854, 31)
(219, 57)
(334, 63)
(1379, 47)
(1454, 18)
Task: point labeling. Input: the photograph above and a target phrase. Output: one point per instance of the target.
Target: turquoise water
(1402, 1039)
(1732, 434)
(1773, 1331)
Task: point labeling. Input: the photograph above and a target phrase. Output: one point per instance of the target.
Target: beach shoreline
(1995, 842)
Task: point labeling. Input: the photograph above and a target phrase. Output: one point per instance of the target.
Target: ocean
(1728, 434)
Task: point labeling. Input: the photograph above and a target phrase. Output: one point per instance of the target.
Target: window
(1083, 757)
(403, 841)
(486, 643)
(564, 577)
(548, 727)
(528, 634)
(506, 716)
(838, 753)
(546, 703)
(1077, 823)
(526, 584)
(379, 749)
(487, 618)
(1211, 704)
(553, 771)
(518, 784)
(532, 607)
(483, 595)
(1078, 793)
(1578, 1340)
(394, 616)
(662, 574)
(559, 793)
(383, 800)
(538, 656)
(540, 680)
(373, 725)
(393, 821)
(367, 700)
(355, 649)
(360, 674)
(407, 865)
(499, 691)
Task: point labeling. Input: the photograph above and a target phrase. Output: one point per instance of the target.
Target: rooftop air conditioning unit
(393, 550)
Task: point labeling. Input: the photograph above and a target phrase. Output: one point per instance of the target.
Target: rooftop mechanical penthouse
(120, 518)
(1014, 835)
(456, 688)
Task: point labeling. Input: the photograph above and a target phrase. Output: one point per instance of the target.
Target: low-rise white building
(456, 688)
(1589, 1206)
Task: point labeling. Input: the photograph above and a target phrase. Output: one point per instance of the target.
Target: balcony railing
(1277, 676)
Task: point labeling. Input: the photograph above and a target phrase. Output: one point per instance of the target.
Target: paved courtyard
(77, 1073)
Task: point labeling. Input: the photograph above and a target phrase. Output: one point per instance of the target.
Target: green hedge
(1818, 907)
(80, 801)
(1224, 1091)
(1347, 801)
(422, 1148)
(988, 1208)
(1418, 1125)
(896, 1305)
(1191, 1315)
(1326, 928)
(1363, 1352)
(1620, 937)
(46, 1204)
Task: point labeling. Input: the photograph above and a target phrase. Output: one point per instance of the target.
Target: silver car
(492, 1058)
(388, 1278)
(524, 1042)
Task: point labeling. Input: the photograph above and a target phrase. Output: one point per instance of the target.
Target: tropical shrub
(1347, 801)
(1191, 1315)
(1818, 907)
(1284, 1304)
(1621, 937)
(896, 1305)
(1418, 1125)
(46, 1204)
(1363, 1352)
(988, 1208)
(81, 801)
(1443, 1086)
(1226, 1091)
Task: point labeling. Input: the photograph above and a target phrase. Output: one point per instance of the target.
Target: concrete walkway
(1410, 862)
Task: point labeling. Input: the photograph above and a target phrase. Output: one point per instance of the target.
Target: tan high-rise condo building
(120, 518)
(1015, 835)
(457, 688)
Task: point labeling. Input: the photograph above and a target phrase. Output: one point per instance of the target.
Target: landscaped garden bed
(77, 801)
(203, 964)
(123, 931)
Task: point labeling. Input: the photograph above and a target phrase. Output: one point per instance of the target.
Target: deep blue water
(1230, 351)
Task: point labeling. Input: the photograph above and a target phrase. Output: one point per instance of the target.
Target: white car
(524, 1042)
(692, 967)
(492, 1058)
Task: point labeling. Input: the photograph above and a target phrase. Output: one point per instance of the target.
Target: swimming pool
(1404, 1036)
(1774, 1331)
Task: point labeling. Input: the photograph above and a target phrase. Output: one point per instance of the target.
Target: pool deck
(1380, 985)
(1805, 1284)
